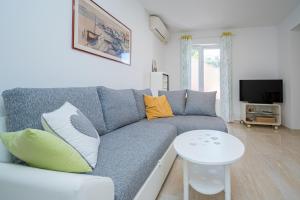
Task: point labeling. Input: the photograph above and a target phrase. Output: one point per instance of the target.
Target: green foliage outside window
(195, 54)
(214, 61)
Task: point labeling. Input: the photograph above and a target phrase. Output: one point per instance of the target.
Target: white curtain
(226, 77)
(185, 61)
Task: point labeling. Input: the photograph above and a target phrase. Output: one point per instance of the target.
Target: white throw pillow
(69, 123)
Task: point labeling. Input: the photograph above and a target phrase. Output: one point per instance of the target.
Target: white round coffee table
(207, 155)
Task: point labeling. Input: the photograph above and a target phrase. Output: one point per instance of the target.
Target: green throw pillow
(44, 150)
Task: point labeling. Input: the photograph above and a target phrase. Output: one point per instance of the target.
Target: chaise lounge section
(135, 155)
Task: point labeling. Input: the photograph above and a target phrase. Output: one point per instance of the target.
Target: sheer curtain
(185, 61)
(226, 77)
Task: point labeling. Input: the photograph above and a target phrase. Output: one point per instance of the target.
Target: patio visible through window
(212, 70)
(205, 71)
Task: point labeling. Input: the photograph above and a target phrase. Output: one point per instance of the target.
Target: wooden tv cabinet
(261, 114)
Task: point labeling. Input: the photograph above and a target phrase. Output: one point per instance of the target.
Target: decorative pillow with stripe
(69, 123)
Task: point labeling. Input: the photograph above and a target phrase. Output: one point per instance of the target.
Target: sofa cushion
(44, 150)
(139, 98)
(24, 106)
(157, 107)
(176, 99)
(75, 128)
(194, 122)
(128, 155)
(119, 107)
(201, 103)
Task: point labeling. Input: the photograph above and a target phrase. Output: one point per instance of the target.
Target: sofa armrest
(27, 183)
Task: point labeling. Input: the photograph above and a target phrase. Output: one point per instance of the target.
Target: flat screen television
(261, 91)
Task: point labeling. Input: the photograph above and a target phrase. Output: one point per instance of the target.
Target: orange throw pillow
(157, 107)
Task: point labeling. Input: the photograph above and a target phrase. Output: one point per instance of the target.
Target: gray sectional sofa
(130, 147)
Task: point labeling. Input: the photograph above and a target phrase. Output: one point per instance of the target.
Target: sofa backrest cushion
(177, 100)
(24, 106)
(139, 98)
(119, 107)
(201, 103)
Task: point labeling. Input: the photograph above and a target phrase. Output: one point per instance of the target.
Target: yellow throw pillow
(157, 107)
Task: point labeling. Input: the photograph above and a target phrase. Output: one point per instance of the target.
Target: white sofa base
(27, 183)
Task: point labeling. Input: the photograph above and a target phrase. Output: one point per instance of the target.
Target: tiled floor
(269, 170)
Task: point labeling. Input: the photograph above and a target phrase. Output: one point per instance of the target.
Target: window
(205, 71)
(195, 70)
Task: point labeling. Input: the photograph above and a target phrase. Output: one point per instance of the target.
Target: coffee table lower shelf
(206, 179)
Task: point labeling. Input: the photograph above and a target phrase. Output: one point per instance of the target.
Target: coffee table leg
(227, 183)
(185, 180)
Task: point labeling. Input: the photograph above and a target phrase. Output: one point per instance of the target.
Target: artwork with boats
(96, 31)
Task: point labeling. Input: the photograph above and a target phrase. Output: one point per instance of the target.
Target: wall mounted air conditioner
(159, 28)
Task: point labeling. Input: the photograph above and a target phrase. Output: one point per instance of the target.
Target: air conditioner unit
(159, 28)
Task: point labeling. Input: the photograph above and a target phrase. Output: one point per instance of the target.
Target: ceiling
(187, 15)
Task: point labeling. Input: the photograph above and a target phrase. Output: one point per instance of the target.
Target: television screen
(261, 91)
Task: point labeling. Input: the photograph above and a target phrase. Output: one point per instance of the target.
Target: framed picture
(97, 32)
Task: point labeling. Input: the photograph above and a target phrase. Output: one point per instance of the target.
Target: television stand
(261, 114)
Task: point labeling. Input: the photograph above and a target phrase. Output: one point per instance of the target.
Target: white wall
(289, 60)
(36, 48)
(36, 51)
(255, 56)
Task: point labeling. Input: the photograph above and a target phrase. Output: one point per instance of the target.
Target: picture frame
(97, 32)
